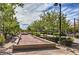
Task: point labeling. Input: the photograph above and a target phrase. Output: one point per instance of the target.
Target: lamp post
(59, 4)
(74, 26)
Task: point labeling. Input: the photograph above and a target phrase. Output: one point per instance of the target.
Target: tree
(49, 22)
(77, 26)
(8, 23)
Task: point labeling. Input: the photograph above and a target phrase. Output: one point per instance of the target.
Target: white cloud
(31, 11)
(75, 10)
(64, 8)
(71, 15)
(67, 11)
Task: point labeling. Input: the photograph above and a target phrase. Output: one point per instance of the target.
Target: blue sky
(31, 12)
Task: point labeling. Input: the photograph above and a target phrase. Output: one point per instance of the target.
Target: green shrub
(67, 41)
(62, 34)
(51, 38)
(33, 33)
(57, 34)
(38, 34)
(2, 39)
(55, 39)
(77, 35)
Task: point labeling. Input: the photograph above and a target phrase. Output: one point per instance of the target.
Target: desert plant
(77, 35)
(55, 39)
(67, 41)
(38, 34)
(2, 39)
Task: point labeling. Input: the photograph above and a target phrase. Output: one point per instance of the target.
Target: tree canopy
(8, 21)
(49, 22)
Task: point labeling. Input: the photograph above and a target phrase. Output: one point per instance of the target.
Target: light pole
(74, 26)
(59, 4)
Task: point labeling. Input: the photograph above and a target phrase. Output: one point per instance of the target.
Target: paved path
(30, 40)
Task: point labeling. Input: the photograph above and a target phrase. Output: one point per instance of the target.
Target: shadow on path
(34, 49)
(75, 46)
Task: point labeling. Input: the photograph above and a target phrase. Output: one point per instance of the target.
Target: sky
(31, 12)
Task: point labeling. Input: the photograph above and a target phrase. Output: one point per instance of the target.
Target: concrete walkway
(28, 40)
(60, 51)
(32, 40)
